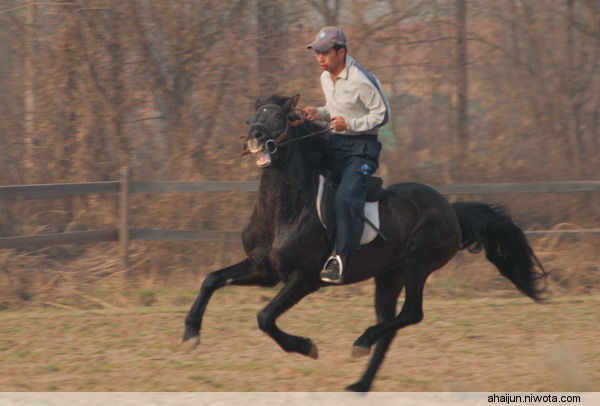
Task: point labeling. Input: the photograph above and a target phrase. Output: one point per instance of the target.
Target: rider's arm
(374, 103)
(326, 85)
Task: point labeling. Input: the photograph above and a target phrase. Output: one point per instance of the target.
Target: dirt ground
(477, 344)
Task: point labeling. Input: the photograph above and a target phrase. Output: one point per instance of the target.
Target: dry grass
(30, 277)
(495, 344)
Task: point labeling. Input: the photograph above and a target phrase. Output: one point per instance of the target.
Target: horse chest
(277, 248)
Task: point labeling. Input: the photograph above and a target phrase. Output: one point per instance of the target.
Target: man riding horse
(285, 242)
(357, 108)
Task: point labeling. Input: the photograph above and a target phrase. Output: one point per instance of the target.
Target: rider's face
(332, 60)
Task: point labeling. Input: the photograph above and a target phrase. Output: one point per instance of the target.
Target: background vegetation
(481, 91)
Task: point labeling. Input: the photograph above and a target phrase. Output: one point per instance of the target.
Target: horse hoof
(191, 343)
(357, 387)
(359, 351)
(314, 351)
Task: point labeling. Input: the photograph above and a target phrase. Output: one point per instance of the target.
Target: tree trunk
(270, 45)
(461, 69)
(574, 126)
(29, 91)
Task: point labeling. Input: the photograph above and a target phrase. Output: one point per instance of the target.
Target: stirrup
(333, 270)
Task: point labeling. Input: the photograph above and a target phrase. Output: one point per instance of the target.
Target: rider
(356, 106)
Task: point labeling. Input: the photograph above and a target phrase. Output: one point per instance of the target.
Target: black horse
(285, 242)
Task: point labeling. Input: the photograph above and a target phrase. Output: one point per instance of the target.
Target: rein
(326, 130)
(279, 141)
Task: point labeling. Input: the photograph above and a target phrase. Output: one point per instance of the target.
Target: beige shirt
(356, 97)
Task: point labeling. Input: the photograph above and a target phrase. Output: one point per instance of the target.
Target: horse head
(269, 126)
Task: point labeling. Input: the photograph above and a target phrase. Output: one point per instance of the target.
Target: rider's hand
(338, 123)
(310, 113)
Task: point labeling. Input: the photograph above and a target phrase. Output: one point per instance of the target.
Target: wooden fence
(124, 187)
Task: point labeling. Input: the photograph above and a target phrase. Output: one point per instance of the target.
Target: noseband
(278, 137)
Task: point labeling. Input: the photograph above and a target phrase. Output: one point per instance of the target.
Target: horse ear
(257, 104)
(291, 103)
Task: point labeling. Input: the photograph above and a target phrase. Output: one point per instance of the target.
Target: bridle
(278, 138)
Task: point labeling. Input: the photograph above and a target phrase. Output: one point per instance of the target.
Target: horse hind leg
(243, 273)
(295, 288)
(412, 310)
(387, 289)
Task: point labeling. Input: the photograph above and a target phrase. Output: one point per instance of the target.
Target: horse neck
(287, 190)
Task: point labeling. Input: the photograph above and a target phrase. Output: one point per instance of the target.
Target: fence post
(124, 217)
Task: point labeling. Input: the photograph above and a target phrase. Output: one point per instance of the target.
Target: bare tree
(29, 87)
(461, 69)
(329, 9)
(270, 44)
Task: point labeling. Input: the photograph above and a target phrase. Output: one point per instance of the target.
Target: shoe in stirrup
(333, 270)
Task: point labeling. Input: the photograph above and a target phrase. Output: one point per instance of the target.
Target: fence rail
(74, 237)
(190, 187)
(519, 188)
(58, 190)
(184, 235)
(125, 187)
(112, 235)
(73, 189)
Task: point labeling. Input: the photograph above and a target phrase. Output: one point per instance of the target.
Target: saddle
(325, 206)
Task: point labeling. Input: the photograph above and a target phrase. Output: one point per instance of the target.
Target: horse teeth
(253, 146)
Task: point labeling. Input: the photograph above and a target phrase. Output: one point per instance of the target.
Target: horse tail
(505, 245)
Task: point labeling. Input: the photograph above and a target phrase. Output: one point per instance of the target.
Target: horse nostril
(258, 134)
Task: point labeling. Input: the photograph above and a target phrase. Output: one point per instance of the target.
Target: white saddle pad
(371, 213)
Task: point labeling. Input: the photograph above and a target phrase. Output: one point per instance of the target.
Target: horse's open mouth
(263, 159)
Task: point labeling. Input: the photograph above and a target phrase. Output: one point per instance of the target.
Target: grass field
(477, 344)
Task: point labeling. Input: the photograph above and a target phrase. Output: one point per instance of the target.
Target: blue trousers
(356, 158)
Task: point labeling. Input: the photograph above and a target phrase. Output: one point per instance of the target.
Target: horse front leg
(243, 273)
(295, 288)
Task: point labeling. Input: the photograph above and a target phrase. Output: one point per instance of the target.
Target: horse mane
(299, 162)
(314, 148)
